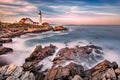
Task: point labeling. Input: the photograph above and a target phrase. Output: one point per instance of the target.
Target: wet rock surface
(71, 71)
(38, 54)
(65, 73)
(78, 54)
(103, 71)
(13, 72)
(66, 65)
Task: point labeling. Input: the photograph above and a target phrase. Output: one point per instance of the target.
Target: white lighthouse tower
(40, 17)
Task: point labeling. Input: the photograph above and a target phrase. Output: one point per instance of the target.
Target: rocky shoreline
(7, 32)
(46, 63)
(65, 65)
(16, 30)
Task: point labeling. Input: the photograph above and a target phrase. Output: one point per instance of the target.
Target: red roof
(22, 21)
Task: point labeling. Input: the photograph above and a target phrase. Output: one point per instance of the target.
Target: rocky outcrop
(103, 71)
(4, 50)
(5, 40)
(65, 73)
(16, 30)
(65, 65)
(59, 28)
(78, 54)
(38, 54)
(13, 72)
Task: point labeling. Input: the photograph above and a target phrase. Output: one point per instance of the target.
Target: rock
(65, 73)
(12, 78)
(97, 75)
(111, 74)
(28, 66)
(5, 40)
(1, 77)
(40, 76)
(35, 53)
(13, 72)
(16, 30)
(45, 24)
(76, 54)
(77, 77)
(27, 76)
(31, 76)
(118, 77)
(10, 69)
(102, 71)
(59, 28)
(117, 71)
(102, 66)
(4, 50)
(1, 45)
(114, 65)
(67, 53)
(37, 68)
(3, 69)
(17, 72)
(38, 54)
(38, 48)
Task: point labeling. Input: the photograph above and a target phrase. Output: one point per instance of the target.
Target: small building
(27, 21)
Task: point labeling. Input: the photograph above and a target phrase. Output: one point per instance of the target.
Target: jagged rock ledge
(102, 71)
(13, 72)
(65, 65)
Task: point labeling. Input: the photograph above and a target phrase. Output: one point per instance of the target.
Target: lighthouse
(40, 17)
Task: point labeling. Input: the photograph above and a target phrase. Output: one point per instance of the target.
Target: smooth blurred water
(108, 37)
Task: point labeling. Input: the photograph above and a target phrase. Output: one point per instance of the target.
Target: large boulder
(65, 73)
(103, 71)
(117, 71)
(38, 54)
(59, 28)
(45, 26)
(14, 72)
(78, 54)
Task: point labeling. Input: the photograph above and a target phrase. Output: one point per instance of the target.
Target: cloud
(63, 12)
(16, 7)
(77, 10)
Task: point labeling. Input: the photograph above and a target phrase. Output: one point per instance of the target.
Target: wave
(24, 45)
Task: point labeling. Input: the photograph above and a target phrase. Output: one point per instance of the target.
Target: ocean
(107, 37)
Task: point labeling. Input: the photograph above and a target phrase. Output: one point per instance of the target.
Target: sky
(77, 12)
